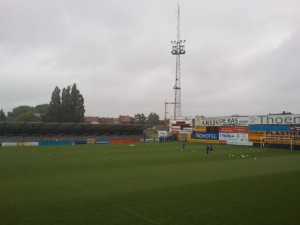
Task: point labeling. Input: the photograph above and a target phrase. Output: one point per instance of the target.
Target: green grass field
(150, 183)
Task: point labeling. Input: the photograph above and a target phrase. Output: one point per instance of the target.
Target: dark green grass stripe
(267, 199)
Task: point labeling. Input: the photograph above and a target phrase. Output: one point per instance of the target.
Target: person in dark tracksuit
(183, 145)
(209, 149)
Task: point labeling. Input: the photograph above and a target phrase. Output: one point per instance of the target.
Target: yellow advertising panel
(257, 136)
(275, 137)
(203, 141)
(183, 136)
(200, 129)
(90, 141)
(20, 144)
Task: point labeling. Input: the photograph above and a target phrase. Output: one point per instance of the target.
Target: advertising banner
(221, 121)
(212, 129)
(295, 128)
(9, 144)
(102, 142)
(200, 128)
(205, 141)
(91, 141)
(284, 119)
(277, 119)
(257, 136)
(55, 143)
(273, 135)
(31, 144)
(234, 129)
(187, 130)
(162, 133)
(234, 138)
(124, 141)
(206, 136)
(269, 128)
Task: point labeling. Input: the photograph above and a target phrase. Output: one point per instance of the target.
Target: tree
(140, 118)
(42, 109)
(66, 105)
(20, 110)
(28, 117)
(77, 105)
(153, 118)
(54, 111)
(38, 111)
(2, 115)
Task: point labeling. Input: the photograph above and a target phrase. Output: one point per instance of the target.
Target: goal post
(276, 140)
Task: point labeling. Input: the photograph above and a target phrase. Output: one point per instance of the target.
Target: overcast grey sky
(242, 57)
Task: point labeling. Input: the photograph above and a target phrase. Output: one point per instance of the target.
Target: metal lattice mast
(178, 49)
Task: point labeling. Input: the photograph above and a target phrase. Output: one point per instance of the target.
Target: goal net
(276, 140)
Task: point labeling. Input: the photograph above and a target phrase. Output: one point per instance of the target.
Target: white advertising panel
(234, 138)
(187, 130)
(285, 119)
(221, 121)
(9, 144)
(162, 133)
(277, 119)
(31, 144)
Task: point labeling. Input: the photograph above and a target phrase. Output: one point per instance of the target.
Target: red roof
(125, 119)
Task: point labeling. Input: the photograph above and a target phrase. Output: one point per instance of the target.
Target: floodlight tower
(178, 49)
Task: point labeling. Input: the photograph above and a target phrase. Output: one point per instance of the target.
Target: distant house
(125, 120)
(92, 119)
(115, 120)
(106, 120)
(109, 120)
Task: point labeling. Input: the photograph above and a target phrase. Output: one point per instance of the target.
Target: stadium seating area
(31, 138)
(71, 132)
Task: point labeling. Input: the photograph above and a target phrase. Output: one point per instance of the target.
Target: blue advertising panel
(55, 143)
(206, 135)
(103, 142)
(270, 128)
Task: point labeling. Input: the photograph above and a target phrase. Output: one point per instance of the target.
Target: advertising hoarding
(257, 136)
(221, 121)
(206, 135)
(269, 128)
(234, 129)
(234, 138)
(200, 128)
(284, 119)
(31, 144)
(206, 141)
(162, 133)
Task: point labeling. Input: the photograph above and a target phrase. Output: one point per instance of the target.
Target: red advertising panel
(234, 129)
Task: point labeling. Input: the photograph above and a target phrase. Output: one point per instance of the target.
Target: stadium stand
(30, 132)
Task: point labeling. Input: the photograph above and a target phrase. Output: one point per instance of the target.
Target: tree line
(65, 106)
(152, 118)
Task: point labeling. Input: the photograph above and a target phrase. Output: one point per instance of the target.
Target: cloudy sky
(242, 57)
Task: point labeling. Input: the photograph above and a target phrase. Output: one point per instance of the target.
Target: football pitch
(148, 183)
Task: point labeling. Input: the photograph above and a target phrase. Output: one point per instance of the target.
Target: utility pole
(166, 111)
